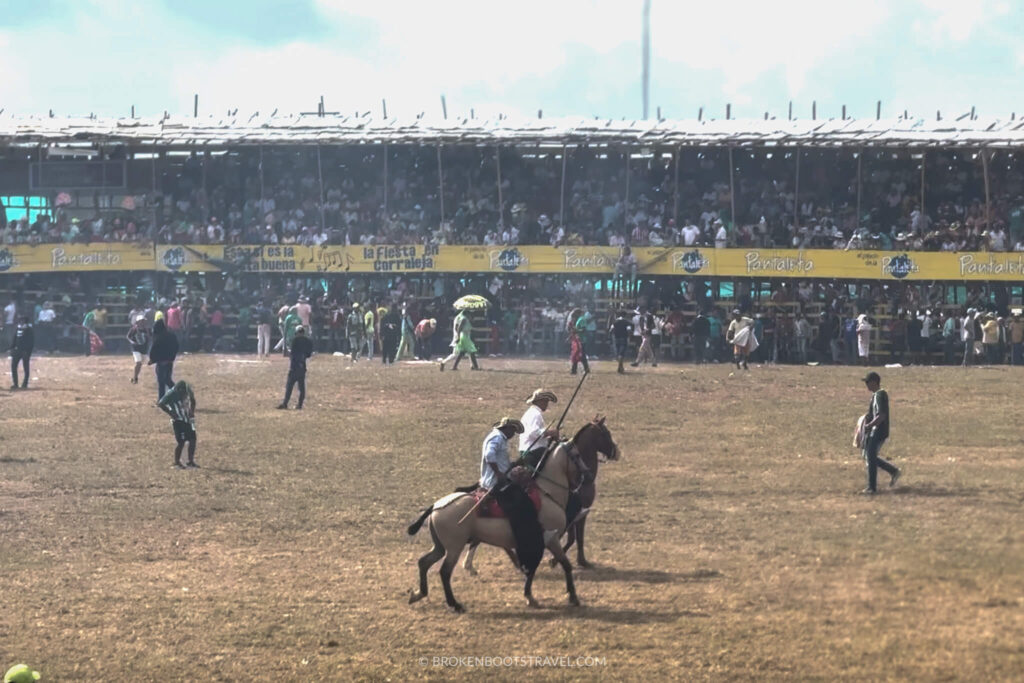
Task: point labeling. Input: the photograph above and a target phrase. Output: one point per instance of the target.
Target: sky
(578, 58)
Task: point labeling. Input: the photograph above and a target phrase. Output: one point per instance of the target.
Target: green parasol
(471, 302)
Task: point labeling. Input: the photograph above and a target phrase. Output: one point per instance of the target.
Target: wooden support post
(561, 199)
(625, 204)
(924, 157)
(320, 178)
(796, 192)
(675, 188)
(860, 159)
(988, 196)
(501, 200)
(732, 192)
(440, 182)
(386, 180)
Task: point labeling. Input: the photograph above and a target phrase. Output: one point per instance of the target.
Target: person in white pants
(263, 339)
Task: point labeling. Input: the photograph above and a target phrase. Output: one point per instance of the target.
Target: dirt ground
(729, 543)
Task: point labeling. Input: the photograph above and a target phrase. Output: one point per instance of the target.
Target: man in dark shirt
(22, 343)
(876, 431)
(301, 349)
(621, 329)
(162, 354)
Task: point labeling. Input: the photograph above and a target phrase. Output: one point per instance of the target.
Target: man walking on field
(180, 404)
(139, 337)
(874, 433)
(301, 349)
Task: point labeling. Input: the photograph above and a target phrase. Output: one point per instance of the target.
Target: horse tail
(415, 526)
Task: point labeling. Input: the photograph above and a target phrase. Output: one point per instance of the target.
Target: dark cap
(872, 377)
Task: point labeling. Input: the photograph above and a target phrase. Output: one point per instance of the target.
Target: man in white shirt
(536, 436)
(691, 233)
(45, 324)
(721, 236)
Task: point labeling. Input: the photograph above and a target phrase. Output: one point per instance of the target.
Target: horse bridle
(574, 455)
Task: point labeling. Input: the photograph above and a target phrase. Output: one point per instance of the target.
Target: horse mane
(598, 421)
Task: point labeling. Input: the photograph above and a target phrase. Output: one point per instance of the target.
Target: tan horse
(559, 474)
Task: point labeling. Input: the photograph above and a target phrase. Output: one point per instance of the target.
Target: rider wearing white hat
(536, 436)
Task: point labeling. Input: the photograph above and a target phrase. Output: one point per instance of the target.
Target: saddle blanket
(491, 509)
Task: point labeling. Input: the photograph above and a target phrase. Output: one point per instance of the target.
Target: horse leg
(572, 538)
(571, 532)
(450, 560)
(581, 560)
(570, 586)
(528, 588)
(425, 563)
(467, 563)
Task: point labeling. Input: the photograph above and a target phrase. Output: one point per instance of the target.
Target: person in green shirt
(462, 342)
(291, 321)
(180, 404)
(89, 323)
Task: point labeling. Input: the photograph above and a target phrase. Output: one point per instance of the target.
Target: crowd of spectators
(795, 321)
(276, 197)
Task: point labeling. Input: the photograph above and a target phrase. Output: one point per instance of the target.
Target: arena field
(729, 543)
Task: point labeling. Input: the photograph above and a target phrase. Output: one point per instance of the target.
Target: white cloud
(957, 20)
(104, 55)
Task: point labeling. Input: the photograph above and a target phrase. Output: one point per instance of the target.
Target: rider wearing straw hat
(536, 435)
(495, 467)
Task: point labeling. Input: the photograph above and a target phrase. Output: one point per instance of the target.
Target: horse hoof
(530, 602)
(457, 608)
(472, 572)
(415, 596)
(574, 601)
(583, 564)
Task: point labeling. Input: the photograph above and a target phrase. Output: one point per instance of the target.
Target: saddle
(491, 510)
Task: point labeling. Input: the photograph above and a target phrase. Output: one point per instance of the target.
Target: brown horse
(589, 461)
(559, 474)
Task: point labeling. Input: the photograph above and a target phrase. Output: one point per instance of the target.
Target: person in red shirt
(424, 331)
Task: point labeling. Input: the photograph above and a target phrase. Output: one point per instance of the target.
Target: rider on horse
(536, 436)
(495, 470)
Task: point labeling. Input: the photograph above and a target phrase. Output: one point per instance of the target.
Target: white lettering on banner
(777, 264)
(61, 259)
(576, 261)
(1005, 266)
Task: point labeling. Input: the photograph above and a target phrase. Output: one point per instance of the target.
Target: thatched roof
(312, 129)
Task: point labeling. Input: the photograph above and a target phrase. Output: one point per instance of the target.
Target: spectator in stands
(626, 266)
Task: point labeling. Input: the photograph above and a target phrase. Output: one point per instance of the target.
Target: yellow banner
(678, 261)
(51, 258)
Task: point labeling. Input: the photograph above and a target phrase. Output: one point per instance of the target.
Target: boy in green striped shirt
(180, 404)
